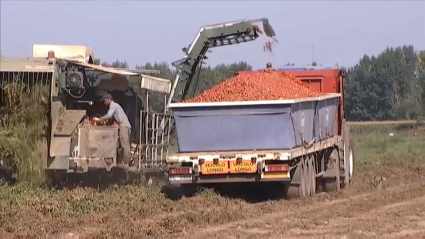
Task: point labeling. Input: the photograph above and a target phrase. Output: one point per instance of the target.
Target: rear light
(182, 170)
(276, 168)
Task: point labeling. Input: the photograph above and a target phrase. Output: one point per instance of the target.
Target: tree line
(388, 86)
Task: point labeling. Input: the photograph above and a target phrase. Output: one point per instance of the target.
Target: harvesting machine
(75, 143)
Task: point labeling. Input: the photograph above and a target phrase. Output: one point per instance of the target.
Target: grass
(389, 150)
(23, 125)
(382, 127)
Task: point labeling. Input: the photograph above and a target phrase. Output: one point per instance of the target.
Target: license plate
(214, 168)
(180, 178)
(275, 175)
(246, 166)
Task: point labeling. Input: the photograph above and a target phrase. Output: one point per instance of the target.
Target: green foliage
(421, 76)
(23, 125)
(370, 128)
(377, 153)
(116, 64)
(385, 87)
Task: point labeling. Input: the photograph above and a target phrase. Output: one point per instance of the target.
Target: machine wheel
(299, 190)
(312, 175)
(334, 184)
(57, 177)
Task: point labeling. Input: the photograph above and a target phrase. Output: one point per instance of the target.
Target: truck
(75, 144)
(302, 144)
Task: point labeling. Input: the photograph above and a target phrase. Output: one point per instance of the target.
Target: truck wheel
(346, 162)
(334, 184)
(312, 175)
(307, 176)
(351, 163)
(189, 190)
(299, 190)
(346, 155)
(320, 186)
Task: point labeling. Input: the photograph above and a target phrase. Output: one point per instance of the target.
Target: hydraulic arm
(223, 34)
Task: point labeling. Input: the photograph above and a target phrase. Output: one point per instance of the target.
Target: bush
(23, 127)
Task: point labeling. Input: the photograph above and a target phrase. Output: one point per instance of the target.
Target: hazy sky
(142, 31)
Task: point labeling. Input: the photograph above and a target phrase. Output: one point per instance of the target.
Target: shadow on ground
(119, 177)
(249, 192)
(102, 179)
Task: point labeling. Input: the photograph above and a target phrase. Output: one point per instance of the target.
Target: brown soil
(391, 208)
(395, 211)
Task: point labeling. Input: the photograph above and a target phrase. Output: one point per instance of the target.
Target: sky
(148, 31)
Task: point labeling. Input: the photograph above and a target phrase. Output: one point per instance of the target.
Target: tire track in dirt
(398, 205)
(322, 206)
(362, 222)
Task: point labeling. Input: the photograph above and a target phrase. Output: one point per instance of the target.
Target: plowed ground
(387, 199)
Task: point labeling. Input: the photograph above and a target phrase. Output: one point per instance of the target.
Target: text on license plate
(214, 168)
(246, 166)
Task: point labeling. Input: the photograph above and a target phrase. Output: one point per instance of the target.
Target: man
(116, 111)
(269, 65)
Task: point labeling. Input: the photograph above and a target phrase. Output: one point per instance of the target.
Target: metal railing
(154, 135)
(29, 78)
(154, 141)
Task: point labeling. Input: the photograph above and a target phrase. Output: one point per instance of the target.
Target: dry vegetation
(385, 200)
(23, 125)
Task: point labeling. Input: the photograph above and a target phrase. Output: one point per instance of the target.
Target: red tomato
(258, 86)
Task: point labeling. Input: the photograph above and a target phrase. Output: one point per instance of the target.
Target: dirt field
(387, 200)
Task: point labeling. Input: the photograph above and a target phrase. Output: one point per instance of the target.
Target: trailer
(303, 144)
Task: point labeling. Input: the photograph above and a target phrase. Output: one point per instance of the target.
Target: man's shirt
(116, 111)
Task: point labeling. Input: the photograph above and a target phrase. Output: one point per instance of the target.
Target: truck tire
(312, 174)
(299, 190)
(346, 154)
(333, 184)
(188, 190)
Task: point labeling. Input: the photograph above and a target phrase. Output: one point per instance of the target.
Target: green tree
(385, 87)
(164, 68)
(208, 76)
(204, 78)
(116, 64)
(421, 77)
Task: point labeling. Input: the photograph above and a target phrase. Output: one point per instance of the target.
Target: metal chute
(223, 34)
